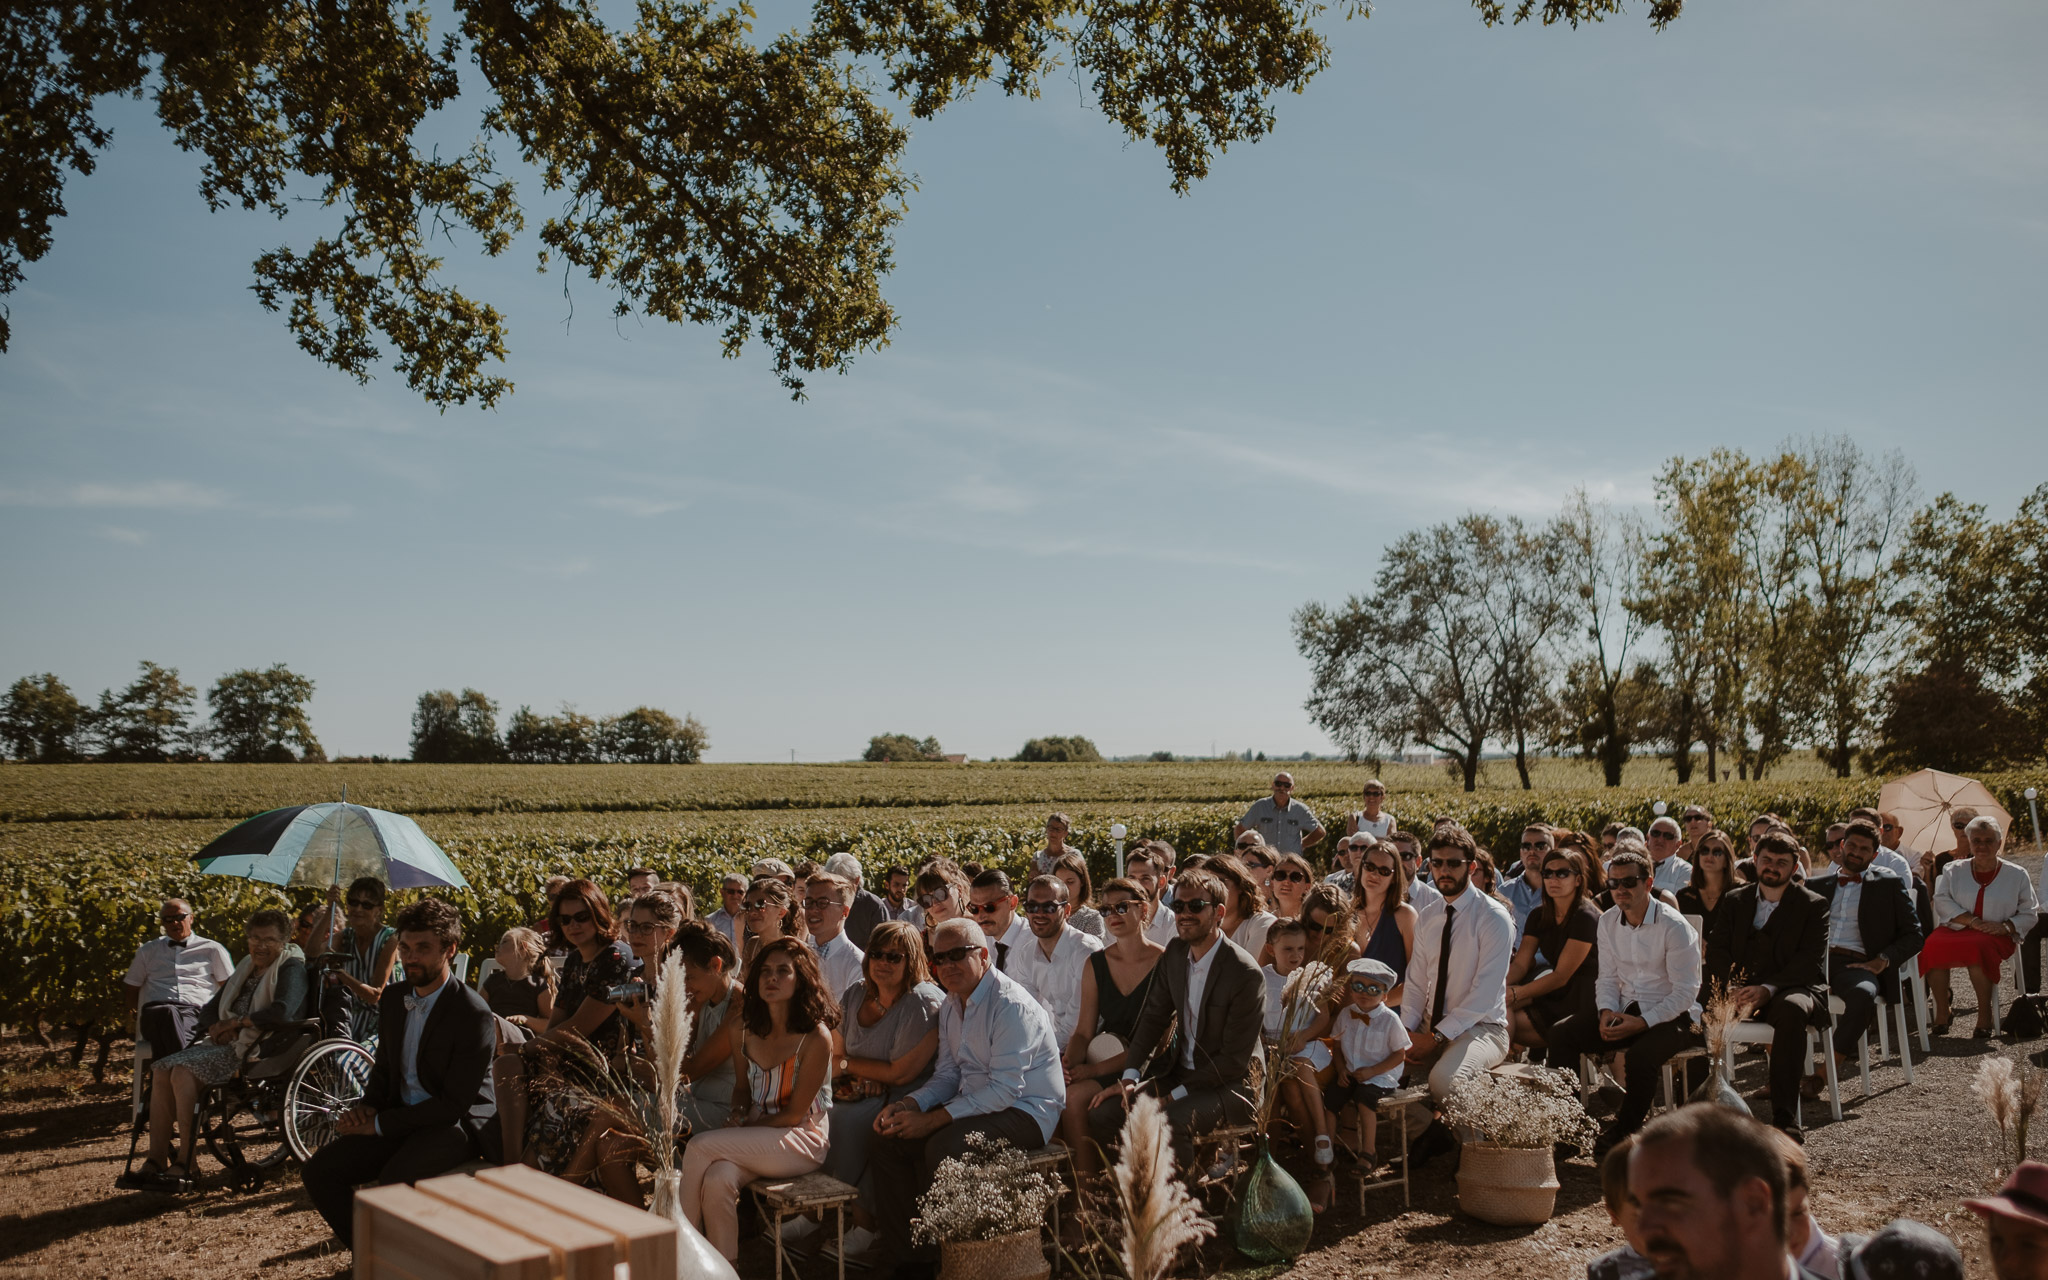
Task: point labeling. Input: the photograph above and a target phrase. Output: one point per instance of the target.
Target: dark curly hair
(431, 915)
(810, 1009)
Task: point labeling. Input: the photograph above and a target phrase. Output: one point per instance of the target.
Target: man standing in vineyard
(895, 897)
(172, 977)
(1285, 823)
(732, 891)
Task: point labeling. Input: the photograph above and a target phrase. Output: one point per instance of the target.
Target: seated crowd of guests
(872, 1035)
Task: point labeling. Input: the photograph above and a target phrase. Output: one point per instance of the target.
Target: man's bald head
(959, 932)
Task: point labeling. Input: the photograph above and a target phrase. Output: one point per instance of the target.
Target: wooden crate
(506, 1224)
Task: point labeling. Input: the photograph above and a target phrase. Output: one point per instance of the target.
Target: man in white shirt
(1146, 868)
(992, 904)
(1673, 872)
(1286, 824)
(732, 891)
(1646, 994)
(1525, 892)
(172, 978)
(1420, 891)
(1050, 964)
(1455, 996)
(826, 899)
(867, 909)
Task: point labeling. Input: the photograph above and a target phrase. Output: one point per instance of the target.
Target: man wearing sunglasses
(1672, 871)
(1050, 964)
(171, 979)
(997, 1073)
(1421, 891)
(1646, 996)
(1284, 823)
(1769, 948)
(732, 895)
(1213, 996)
(1455, 997)
(1525, 892)
(992, 904)
(1345, 855)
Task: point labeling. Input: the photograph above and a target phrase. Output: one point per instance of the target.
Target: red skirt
(1966, 949)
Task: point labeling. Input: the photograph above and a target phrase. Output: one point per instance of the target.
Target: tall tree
(260, 716)
(1599, 555)
(41, 720)
(648, 735)
(150, 720)
(568, 738)
(448, 728)
(1518, 571)
(1777, 706)
(701, 172)
(1851, 515)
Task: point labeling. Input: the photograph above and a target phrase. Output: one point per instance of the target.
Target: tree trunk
(1713, 763)
(1470, 766)
(1840, 759)
(1613, 751)
(1681, 739)
(99, 1063)
(80, 1030)
(1522, 759)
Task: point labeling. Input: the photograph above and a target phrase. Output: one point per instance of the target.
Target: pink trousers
(718, 1163)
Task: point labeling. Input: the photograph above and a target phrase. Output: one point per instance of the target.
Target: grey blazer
(1233, 1010)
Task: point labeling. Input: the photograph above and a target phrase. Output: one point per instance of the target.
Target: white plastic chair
(483, 974)
(1749, 1031)
(461, 966)
(1591, 1071)
(138, 1071)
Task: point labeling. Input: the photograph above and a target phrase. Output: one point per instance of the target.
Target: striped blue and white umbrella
(324, 844)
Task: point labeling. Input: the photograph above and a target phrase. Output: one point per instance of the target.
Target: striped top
(770, 1088)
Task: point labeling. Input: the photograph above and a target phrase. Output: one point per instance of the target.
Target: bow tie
(414, 1000)
(176, 942)
(1849, 877)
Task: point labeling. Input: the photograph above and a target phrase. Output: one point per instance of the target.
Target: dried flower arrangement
(1718, 1012)
(983, 1195)
(2009, 1095)
(1533, 1107)
(1158, 1216)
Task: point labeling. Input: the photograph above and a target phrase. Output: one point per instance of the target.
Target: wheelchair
(283, 1105)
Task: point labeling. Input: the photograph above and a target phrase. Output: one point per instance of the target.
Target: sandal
(1321, 1190)
(176, 1179)
(1980, 1033)
(143, 1179)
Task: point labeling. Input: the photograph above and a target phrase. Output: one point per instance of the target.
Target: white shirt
(1198, 981)
(1161, 929)
(839, 963)
(2010, 897)
(1380, 827)
(1654, 965)
(1017, 935)
(1422, 891)
(1672, 874)
(409, 1052)
(1476, 987)
(1764, 908)
(1845, 929)
(723, 921)
(186, 974)
(1055, 980)
(1276, 1006)
(1371, 1038)
(1251, 933)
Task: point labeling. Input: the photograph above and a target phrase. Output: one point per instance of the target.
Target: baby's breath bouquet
(1532, 1107)
(983, 1195)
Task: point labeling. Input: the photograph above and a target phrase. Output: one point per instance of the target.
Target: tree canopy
(697, 172)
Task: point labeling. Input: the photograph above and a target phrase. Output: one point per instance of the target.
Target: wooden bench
(779, 1198)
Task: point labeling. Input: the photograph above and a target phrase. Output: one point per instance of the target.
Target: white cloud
(147, 495)
(631, 505)
(127, 537)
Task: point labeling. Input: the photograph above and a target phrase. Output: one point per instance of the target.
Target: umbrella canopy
(323, 844)
(1923, 801)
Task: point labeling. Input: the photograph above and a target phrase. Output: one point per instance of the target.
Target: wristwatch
(845, 1064)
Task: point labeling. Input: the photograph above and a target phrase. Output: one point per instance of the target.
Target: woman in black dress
(1559, 948)
(1713, 874)
(1113, 985)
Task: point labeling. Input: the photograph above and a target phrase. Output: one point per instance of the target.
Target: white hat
(843, 864)
(1377, 970)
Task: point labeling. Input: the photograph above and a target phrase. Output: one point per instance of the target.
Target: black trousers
(337, 1169)
(2030, 954)
(1858, 989)
(1199, 1112)
(168, 1026)
(1643, 1056)
(1789, 1014)
(903, 1169)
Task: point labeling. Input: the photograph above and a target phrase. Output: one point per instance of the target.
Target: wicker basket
(1017, 1256)
(1507, 1186)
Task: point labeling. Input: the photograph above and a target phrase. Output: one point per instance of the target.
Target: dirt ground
(62, 1142)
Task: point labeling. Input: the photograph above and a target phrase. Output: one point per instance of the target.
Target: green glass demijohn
(1274, 1218)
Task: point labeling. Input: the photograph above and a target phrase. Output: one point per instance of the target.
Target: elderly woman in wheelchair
(267, 991)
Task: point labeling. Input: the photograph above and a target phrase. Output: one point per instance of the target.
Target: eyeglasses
(1289, 877)
(1312, 927)
(581, 917)
(1663, 835)
(643, 926)
(1117, 908)
(732, 893)
(934, 898)
(1446, 864)
(1558, 873)
(173, 917)
(1619, 882)
(1256, 864)
(984, 908)
(819, 904)
(957, 955)
(1368, 988)
(1043, 908)
(749, 908)
(1189, 906)
(1377, 869)
(887, 957)
(363, 904)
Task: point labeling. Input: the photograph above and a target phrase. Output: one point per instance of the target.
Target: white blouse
(2010, 897)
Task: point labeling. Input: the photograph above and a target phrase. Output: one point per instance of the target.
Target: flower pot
(1507, 1186)
(1274, 1217)
(695, 1258)
(1016, 1256)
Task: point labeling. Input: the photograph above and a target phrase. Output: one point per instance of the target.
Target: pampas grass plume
(1998, 1091)
(1160, 1218)
(671, 1025)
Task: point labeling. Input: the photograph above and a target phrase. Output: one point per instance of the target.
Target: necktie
(1443, 970)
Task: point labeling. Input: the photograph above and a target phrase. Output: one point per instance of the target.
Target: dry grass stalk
(1306, 989)
(1998, 1091)
(1718, 1013)
(1159, 1217)
(670, 1020)
(2031, 1078)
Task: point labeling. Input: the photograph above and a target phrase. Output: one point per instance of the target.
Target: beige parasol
(1923, 801)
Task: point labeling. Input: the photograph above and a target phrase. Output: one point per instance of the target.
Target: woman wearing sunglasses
(1256, 857)
(1113, 986)
(941, 895)
(1073, 873)
(1713, 874)
(882, 1051)
(1559, 947)
(1383, 923)
(768, 912)
(1289, 885)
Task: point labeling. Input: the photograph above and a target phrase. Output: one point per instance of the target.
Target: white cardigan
(2009, 897)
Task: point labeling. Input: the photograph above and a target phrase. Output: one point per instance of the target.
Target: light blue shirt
(409, 1050)
(1523, 898)
(996, 1053)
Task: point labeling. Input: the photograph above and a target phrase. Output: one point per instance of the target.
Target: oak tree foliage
(696, 170)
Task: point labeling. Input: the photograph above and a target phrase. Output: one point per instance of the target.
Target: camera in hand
(625, 992)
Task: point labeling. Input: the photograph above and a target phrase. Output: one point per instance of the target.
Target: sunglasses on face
(931, 899)
(1377, 869)
(1374, 793)
(169, 918)
(1118, 908)
(887, 957)
(1189, 906)
(957, 955)
(363, 904)
(1558, 873)
(1368, 988)
(581, 917)
(1663, 835)
(1247, 844)
(750, 907)
(983, 908)
(1042, 908)
(1619, 882)
(1289, 877)
(1256, 864)
(1446, 864)
(1535, 846)
(1313, 927)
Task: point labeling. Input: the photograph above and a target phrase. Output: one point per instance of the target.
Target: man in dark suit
(1213, 995)
(428, 1106)
(1872, 930)
(1768, 947)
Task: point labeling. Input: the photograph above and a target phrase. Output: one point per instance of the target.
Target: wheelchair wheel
(244, 1131)
(329, 1080)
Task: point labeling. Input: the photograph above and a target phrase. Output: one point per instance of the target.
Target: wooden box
(506, 1224)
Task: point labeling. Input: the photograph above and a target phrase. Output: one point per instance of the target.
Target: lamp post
(1117, 831)
(2035, 809)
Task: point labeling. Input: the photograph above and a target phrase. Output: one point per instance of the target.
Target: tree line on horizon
(1794, 601)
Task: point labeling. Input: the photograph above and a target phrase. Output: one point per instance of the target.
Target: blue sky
(1119, 436)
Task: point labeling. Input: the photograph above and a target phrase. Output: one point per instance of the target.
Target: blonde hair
(529, 944)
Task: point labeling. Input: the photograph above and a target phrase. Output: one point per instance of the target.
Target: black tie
(1443, 970)
(176, 942)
